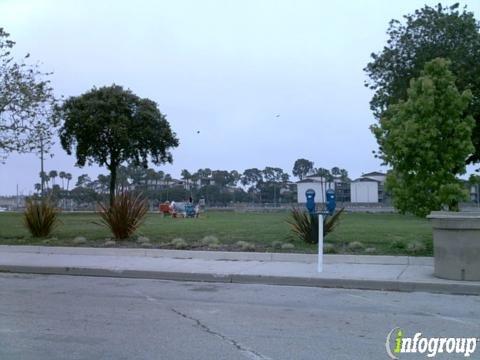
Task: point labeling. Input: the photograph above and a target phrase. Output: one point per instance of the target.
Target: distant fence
(263, 207)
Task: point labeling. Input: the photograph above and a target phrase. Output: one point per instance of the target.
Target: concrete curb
(222, 255)
(363, 284)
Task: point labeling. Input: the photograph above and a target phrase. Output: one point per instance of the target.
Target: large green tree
(110, 126)
(26, 100)
(426, 140)
(428, 33)
(302, 168)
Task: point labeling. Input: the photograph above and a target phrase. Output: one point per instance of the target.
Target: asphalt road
(68, 317)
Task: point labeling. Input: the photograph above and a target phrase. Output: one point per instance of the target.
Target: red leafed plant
(40, 217)
(125, 215)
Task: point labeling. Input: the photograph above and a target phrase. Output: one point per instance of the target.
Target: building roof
(307, 180)
(366, 179)
(374, 173)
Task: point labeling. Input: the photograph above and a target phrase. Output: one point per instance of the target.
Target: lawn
(376, 233)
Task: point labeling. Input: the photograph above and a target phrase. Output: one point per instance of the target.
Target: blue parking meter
(310, 195)
(331, 201)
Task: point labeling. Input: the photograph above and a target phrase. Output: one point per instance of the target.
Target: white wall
(364, 192)
(319, 191)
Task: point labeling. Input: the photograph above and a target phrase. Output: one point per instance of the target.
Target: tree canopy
(429, 33)
(110, 126)
(302, 168)
(26, 101)
(426, 140)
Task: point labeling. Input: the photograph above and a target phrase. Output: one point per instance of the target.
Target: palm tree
(68, 176)
(61, 175)
(160, 177)
(151, 179)
(167, 178)
(194, 179)
(325, 177)
(53, 174)
(344, 175)
(335, 171)
(37, 187)
(43, 180)
(186, 176)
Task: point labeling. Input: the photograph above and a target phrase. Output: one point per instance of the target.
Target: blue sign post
(331, 204)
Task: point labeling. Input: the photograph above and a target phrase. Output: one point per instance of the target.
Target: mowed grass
(382, 233)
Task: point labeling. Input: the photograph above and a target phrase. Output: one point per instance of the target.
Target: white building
(380, 177)
(364, 191)
(368, 188)
(316, 184)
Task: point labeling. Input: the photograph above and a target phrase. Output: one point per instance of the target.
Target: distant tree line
(270, 185)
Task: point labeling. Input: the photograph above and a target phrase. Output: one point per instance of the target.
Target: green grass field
(378, 233)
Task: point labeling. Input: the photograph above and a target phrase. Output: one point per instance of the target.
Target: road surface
(71, 317)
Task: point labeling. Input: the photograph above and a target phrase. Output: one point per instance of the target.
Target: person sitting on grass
(173, 209)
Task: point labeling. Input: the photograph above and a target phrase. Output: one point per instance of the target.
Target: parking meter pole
(320, 243)
(310, 197)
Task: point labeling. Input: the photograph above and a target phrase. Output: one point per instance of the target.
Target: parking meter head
(310, 203)
(331, 201)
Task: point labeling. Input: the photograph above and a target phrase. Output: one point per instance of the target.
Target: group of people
(186, 209)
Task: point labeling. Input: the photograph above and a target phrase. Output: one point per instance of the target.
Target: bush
(398, 245)
(40, 217)
(179, 243)
(329, 248)
(79, 240)
(355, 246)
(210, 240)
(288, 246)
(371, 250)
(305, 226)
(277, 244)
(245, 246)
(143, 240)
(125, 216)
(416, 248)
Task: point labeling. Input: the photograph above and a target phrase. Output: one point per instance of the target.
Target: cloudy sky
(224, 68)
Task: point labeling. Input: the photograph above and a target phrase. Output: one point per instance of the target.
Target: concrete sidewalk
(397, 273)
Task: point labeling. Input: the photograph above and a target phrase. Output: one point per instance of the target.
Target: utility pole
(42, 174)
(17, 197)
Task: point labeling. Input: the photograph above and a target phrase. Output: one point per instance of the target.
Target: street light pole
(42, 174)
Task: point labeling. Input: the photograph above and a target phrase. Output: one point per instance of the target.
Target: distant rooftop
(374, 173)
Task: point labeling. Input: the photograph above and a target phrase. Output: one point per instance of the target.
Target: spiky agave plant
(40, 217)
(125, 216)
(305, 226)
(331, 222)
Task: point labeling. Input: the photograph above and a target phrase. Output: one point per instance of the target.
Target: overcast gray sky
(224, 68)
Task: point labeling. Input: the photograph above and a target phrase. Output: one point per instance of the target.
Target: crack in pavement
(250, 354)
(401, 273)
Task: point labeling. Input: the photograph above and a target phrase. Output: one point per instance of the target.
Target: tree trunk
(113, 182)
(453, 206)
